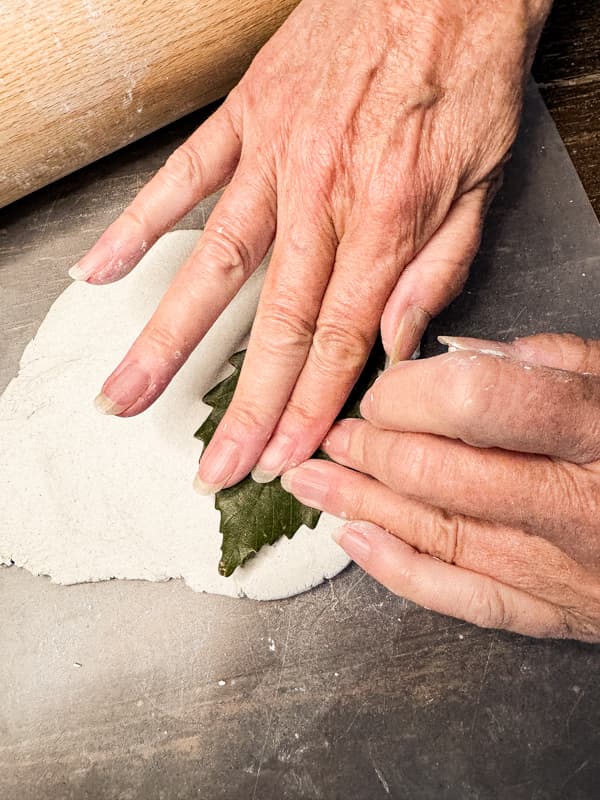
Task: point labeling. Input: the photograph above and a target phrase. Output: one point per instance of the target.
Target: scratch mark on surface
(481, 685)
(379, 773)
(570, 777)
(578, 700)
(573, 709)
(355, 717)
(268, 731)
(356, 583)
(330, 606)
(48, 216)
(516, 319)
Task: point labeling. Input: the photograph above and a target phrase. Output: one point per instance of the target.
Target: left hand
(364, 141)
(478, 480)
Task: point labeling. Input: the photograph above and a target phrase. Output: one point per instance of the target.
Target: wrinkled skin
(481, 501)
(364, 140)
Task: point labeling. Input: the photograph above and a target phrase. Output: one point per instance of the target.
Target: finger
(493, 485)
(233, 244)
(434, 277)
(491, 401)
(502, 552)
(343, 337)
(556, 350)
(200, 166)
(281, 336)
(446, 588)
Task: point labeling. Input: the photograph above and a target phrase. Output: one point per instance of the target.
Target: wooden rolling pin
(81, 78)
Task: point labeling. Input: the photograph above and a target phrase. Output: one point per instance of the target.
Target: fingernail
(353, 538)
(217, 466)
(260, 476)
(274, 459)
(107, 261)
(122, 389)
(99, 255)
(77, 273)
(338, 438)
(106, 406)
(307, 484)
(485, 346)
(413, 324)
(203, 488)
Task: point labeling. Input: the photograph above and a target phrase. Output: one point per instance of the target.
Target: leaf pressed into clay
(255, 514)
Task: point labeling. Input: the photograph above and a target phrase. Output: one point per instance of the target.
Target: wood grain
(567, 68)
(81, 78)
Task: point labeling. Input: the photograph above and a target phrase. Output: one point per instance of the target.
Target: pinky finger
(446, 588)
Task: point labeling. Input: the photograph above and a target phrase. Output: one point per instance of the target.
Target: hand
(365, 139)
(481, 492)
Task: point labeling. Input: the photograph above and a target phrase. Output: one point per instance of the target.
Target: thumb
(556, 350)
(435, 276)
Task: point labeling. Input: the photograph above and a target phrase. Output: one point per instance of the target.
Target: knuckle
(242, 417)
(135, 217)
(359, 449)
(472, 395)
(487, 608)
(376, 453)
(184, 167)
(163, 339)
(380, 453)
(568, 626)
(417, 463)
(316, 150)
(574, 490)
(338, 347)
(582, 355)
(350, 498)
(223, 252)
(446, 537)
(584, 626)
(300, 415)
(285, 326)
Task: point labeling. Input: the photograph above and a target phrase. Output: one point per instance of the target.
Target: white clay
(87, 497)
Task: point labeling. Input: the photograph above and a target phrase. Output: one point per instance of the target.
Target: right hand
(478, 491)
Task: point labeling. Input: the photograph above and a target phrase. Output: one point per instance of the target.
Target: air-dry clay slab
(87, 497)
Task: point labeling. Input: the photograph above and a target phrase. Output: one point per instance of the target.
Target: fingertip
(263, 476)
(113, 270)
(337, 441)
(203, 488)
(124, 389)
(355, 539)
(104, 405)
(76, 273)
(410, 330)
(367, 403)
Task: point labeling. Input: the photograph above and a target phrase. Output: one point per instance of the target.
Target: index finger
(197, 168)
(491, 401)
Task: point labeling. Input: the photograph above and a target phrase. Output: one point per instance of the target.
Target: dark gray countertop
(136, 690)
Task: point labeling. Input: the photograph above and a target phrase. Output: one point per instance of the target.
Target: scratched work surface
(136, 690)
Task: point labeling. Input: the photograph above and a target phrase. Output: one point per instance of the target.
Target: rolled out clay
(87, 497)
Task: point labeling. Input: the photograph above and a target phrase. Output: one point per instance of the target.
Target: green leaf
(255, 514)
